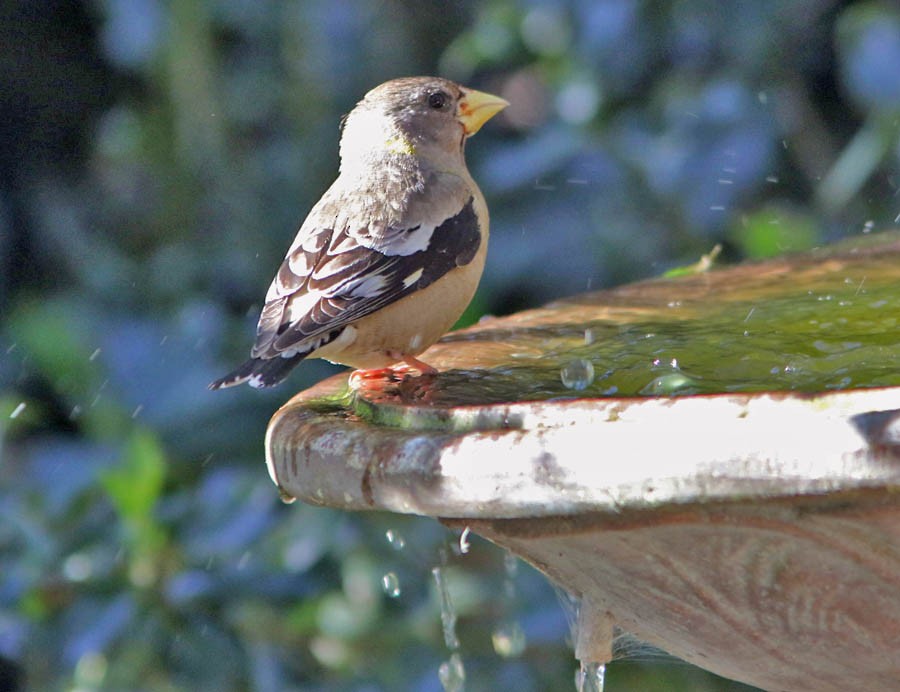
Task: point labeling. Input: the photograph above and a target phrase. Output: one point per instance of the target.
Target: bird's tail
(259, 372)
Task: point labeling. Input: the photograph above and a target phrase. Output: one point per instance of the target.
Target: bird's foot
(361, 379)
(407, 363)
(365, 379)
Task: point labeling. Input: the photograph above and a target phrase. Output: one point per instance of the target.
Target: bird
(390, 256)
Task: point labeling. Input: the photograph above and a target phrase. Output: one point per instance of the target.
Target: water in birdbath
(834, 336)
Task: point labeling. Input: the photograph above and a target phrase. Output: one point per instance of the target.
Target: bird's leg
(411, 362)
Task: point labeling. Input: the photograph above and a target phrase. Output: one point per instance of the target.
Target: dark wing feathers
(357, 281)
(336, 281)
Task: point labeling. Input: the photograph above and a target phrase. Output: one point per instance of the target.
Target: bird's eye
(437, 99)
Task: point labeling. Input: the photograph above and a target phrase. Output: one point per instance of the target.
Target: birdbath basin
(709, 461)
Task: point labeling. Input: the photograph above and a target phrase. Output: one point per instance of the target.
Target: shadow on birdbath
(710, 462)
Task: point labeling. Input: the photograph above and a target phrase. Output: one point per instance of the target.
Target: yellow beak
(475, 108)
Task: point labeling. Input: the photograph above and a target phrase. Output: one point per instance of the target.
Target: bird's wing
(334, 276)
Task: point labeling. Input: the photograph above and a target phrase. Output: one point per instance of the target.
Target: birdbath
(709, 461)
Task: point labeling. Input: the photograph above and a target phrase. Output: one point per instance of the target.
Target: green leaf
(136, 484)
(774, 230)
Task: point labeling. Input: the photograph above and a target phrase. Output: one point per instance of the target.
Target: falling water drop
(510, 565)
(589, 678)
(17, 410)
(509, 640)
(577, 375)
(390, 582)
(448, 612)
(464, 544)
(452, 674)
(397, 541)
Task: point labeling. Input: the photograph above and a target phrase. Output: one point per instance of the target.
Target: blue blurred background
(156, 159)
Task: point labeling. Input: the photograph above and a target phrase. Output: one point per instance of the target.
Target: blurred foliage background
(156, 159)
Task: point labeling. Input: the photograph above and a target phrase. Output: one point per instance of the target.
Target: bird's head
(418, 116)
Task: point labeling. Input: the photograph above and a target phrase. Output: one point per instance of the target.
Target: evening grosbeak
(390, 256)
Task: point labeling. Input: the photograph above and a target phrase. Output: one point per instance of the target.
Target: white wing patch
(412, 278)
(367, 287)
(407, 241)
(300, 304)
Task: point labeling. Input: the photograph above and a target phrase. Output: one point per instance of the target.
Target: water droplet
(90, 670)
(396, 539)
(285, 496)
(869, 226)
(509, 640)
(510, 565)
(448, 612)
(244, 560)
(464, 544)
(577, 375)
(588, 337)
(589, 678)
(78, 567)
(18, 410)
(390, 582)
(667, 384)
(452, 674)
